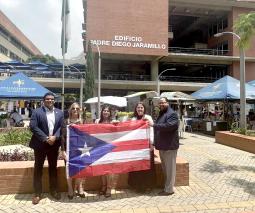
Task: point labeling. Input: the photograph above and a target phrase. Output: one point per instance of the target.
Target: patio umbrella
(111, 100)
(178, 96)
(226, 88)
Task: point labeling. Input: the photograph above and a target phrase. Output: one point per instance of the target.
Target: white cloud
(40, 21)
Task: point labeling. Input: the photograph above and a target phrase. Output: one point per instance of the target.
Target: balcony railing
(41, 74)
(197, 51)
(119, 77)
(204, 79)
(124, 76)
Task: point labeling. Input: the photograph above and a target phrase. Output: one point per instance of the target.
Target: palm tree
(245, 28)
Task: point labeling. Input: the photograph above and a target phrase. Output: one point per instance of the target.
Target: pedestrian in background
(45, 125)
(166, 140)
(74, 117)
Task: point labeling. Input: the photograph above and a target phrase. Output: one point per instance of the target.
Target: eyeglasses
(162, 102)
(74, 108)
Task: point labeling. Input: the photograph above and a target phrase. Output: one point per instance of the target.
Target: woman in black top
(74, 117)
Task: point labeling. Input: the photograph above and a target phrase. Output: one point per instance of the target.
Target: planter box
(243, 142)
(17, 176)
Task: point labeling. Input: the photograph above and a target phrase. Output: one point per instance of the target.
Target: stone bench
(17, 176)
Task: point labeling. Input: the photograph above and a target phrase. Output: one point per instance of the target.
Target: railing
(197, 51)
(42, 74)
(119, 76)
(189, 79)
(124, 76)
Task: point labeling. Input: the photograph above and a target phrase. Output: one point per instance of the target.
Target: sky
(40, 21)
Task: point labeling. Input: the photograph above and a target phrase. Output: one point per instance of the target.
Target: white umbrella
(149, 94)
(112, 100)
(177, 96)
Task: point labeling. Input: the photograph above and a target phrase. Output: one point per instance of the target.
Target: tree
(245, 28)
(89, 74)
(47, 59)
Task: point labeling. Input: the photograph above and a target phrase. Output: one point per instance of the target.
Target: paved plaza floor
(222, 179)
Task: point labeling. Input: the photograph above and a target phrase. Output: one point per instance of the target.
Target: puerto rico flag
(99, 149)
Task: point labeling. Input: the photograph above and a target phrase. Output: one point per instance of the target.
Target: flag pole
(63, 54)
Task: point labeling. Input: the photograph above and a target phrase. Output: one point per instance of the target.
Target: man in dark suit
(45, 125)
(166, 140)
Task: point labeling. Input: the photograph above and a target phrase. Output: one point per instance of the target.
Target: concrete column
(154, 73)
(154, 70)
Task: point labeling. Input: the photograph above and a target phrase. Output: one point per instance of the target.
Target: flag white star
(85, 150)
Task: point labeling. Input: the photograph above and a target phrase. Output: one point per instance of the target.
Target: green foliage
(245, 28)
(234, 127)
(15, 136)
(71, 97)
(89, 74)
(3, 116)
(250, 133)
(123, 114)
(241, 131)
(47, 59)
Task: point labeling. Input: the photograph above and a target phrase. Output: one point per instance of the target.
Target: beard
(163, 110)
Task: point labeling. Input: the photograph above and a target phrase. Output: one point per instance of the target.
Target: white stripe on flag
(124, 156)
(138, 134)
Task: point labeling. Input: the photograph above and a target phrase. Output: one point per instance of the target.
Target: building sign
(129, 42)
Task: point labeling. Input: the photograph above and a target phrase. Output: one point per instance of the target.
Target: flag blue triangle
(84, 150)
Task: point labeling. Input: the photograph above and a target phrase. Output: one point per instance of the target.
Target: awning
(149, 94)
(177, 96)
(111, 100)
(20, 86)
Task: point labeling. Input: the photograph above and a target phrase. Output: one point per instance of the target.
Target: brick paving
(222, 179)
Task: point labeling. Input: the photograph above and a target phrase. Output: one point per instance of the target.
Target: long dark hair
(101, 113)
(135, 112)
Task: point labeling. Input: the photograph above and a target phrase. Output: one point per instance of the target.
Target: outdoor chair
(188, 125)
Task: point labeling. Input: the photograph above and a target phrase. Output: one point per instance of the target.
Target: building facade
(138, 40)
(14, 45)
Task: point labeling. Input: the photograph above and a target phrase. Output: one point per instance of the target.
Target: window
(3, 50)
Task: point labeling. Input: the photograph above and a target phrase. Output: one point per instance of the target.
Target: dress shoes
(107, 193)
(36, 199)
(163, 193)
(81, 195)
(55, 195)
(70, 197)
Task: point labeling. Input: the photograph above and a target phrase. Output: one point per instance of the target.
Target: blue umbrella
(224, 88)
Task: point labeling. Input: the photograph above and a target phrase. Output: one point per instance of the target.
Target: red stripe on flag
(114, 168)
(131, 145)
(111, 128)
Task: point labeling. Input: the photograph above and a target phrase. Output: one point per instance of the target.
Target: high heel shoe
(103, 190)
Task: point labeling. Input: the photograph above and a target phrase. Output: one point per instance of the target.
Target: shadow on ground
(248, 186)
(196, 134)
(215, 166)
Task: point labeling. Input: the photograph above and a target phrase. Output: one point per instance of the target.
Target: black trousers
(52, 156)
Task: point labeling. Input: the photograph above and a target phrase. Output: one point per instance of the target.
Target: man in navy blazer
(45, 125)
(166, 140)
